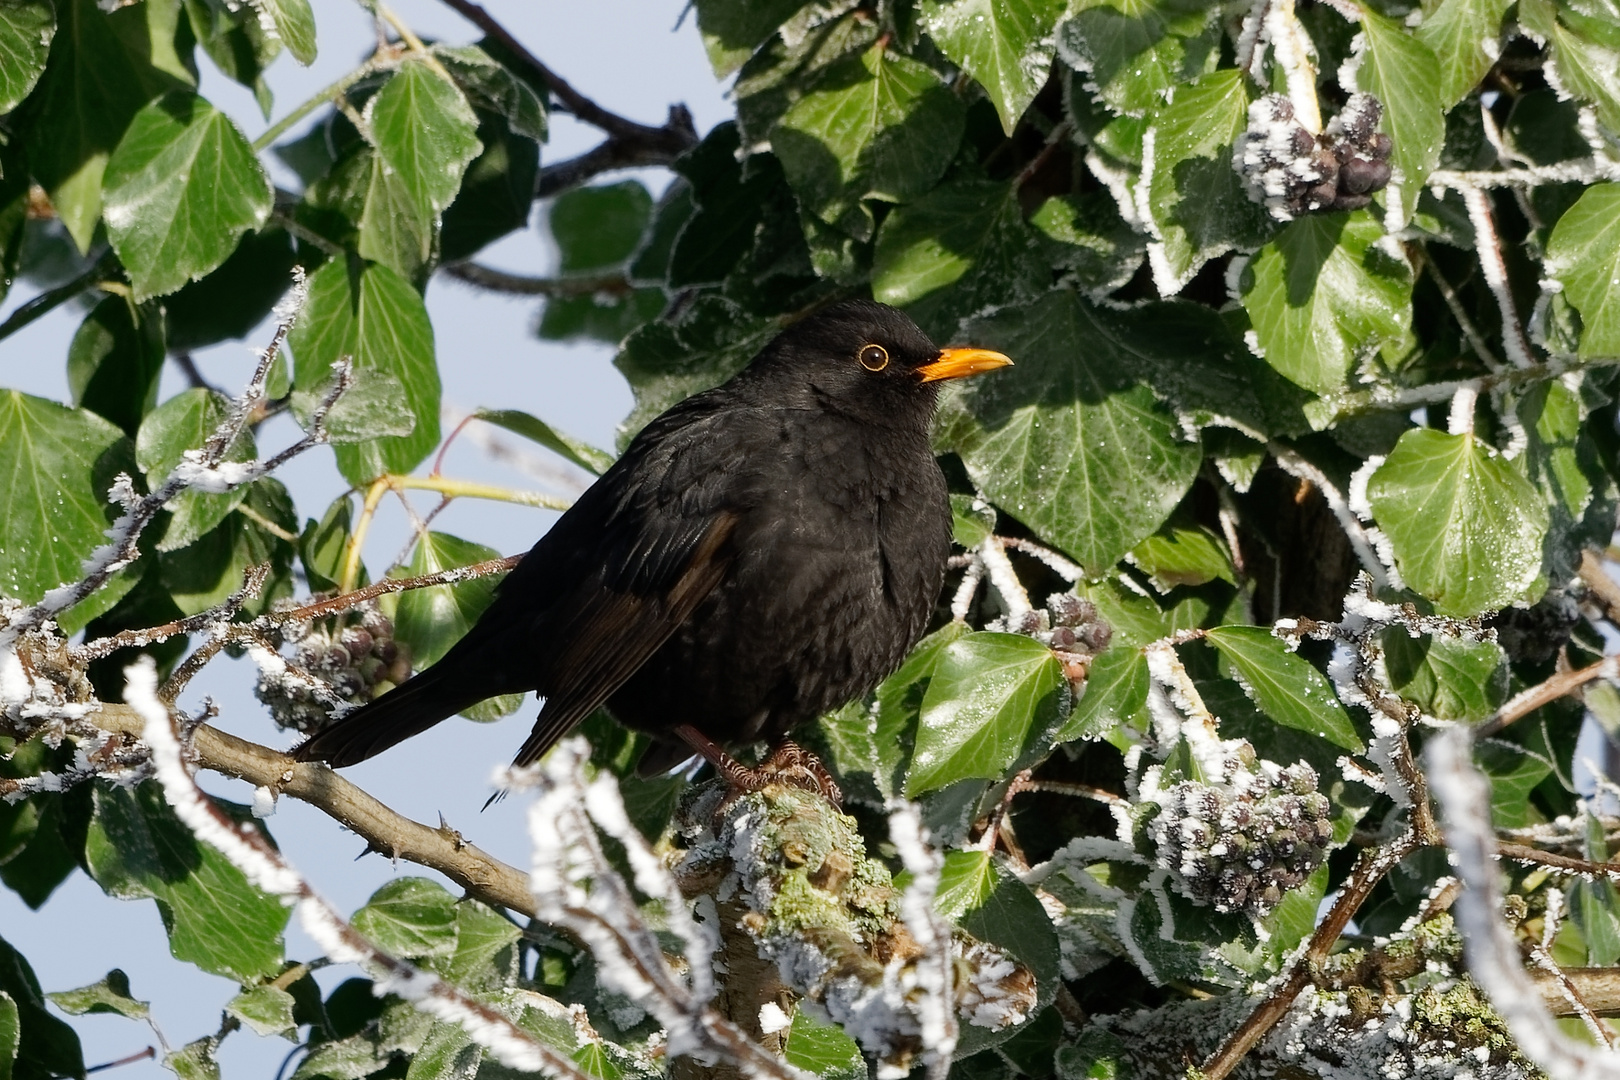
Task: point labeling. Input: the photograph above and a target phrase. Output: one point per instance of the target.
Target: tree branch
(383, 829)
(618, 152)
(1528, 701)
(486, 277)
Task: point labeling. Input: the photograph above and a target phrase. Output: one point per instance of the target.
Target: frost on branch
(840, 932)
(341, 661)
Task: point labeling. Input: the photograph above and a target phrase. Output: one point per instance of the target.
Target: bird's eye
(873, 357)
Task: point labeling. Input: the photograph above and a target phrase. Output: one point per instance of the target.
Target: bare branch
(1528, 701)
(486, 277)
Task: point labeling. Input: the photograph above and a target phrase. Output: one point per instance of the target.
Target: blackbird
(763, 552)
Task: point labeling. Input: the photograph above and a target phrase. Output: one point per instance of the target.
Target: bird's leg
(788, 763)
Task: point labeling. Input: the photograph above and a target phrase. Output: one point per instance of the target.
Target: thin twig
(51, 299)
(1584, 867)
(1599, 584)
(1489, 248)
(1528, 701)
(610, 156)
(487, 277)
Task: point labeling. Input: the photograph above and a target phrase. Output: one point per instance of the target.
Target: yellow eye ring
(873, 357)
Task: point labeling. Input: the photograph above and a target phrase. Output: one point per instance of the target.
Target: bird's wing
(655, 547)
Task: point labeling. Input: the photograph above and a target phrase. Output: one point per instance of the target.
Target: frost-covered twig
(253, 579)
(1541, 956)
(203, 469)
(1582, 171)
(932, 1003)
(1004, 578)
(1295, 465)
(577, 888)
(1528, 701)
(1491, 950)
(246, 849)
(1489, 247)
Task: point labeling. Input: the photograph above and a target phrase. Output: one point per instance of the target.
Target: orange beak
(960, 363)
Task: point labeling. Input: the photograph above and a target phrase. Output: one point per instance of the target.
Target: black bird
(763, 552)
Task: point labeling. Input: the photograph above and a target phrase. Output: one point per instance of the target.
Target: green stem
(51, 299)
(322, 97)
(470, 490)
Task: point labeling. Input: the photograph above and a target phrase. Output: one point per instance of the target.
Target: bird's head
(868, 356)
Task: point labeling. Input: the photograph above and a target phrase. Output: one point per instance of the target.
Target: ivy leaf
(1584, 256)
(56, 465)
(823, 1050)
(103, 67)
(1004, 44)
(1182, 554)
(1320, 295)
(1099, 248)
(374, 404)
(1195, 201)
(494, 86)
(496, 194)
(1066, 440)
(369, 313)
(1134, 50)
(1465, 36)
(26, 29)
(1115, 695)
(110, 995)
(432, 620)
(732, 30)
(1514, 774)
(897, 705)
(876, 125)
(215, 917)
(195, 1060)
(1586, 64)
(1448, 678)
(42, 1046)
(990, 698)
(1405, 75)
(116, 359)
(206, 571)
(993, 905)
(1285, 686)
(180, 190)
(409, 917)
(185, 422)
(791, 61)
(425, 135)
(960, 248)
(295, 25)
(537, 430)
(1465, 524)
(599, 227)
(268, 1010)
(235, 39)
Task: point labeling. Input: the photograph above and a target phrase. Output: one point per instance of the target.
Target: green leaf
(1585, 63)
(1091, 240)
(599, 227)
(215, 917)
(268, 1010)
(1448, 678)
(432, 620)
(897, 705)
(521, 423)
(409, 917)
(1465, 35)
(369, 313)
(1197, 204)
(492, 85)
(203, 573)
(733, 29)
(110, 995)
(1584, 256)
(295, 25)
(1065, 440)
(185, 422)
(446, 1052)
(993, 905)
(235, 39)
(374, 404)
(103, 67)
(789, 63)
(10, 1035)
(1514, 773)
(1179, 554)
(823, 1050)
(1115, 695)
(181, 189)
(876, 126)
(1285, 686)
(56, 465)
(425, 135)
(497, 191)
(1134, 50)
(115, 361)
(991, 698)
(1320, 296)
(232, 301)
(1004, 44)
(1405, 75)
(959, 249)
(195, 1060)
(45, 1047)
(482, 937)
(706, 343)
(26, 29)
(1465, 524)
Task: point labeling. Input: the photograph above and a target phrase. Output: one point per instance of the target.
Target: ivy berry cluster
(1243, 844)
(355, 656)
(1294, 171)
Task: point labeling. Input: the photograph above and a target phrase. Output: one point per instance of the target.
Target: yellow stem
(408, 36)
(357, 538)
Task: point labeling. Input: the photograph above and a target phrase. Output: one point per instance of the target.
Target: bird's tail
(409, 709)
